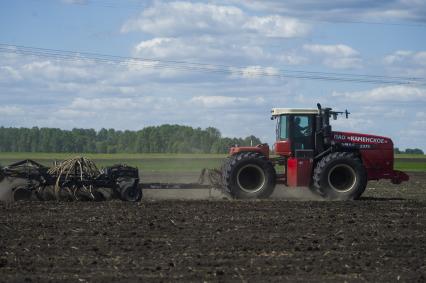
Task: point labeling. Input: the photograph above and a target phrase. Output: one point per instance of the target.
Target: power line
(189, 66)
(207, 68)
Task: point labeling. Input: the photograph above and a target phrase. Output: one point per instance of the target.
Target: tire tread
(321, 167)
(232, 162)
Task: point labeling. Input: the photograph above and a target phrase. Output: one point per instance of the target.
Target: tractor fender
(261, 148)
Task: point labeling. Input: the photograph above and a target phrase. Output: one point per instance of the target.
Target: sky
(221, 63)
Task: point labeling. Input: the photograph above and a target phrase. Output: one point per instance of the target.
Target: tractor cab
(295, 132)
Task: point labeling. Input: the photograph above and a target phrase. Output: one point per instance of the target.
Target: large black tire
(249, 175)
(21, 193)
(129, 189)
(340, 176)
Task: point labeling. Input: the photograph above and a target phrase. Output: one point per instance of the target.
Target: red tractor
(335, 165)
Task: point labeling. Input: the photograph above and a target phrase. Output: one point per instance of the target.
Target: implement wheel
(21, 193)
(340, 176)
(249, 175)
(129, 189)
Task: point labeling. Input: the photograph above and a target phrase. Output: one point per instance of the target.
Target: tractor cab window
(302, 132)
(301, 126)
(282, 128)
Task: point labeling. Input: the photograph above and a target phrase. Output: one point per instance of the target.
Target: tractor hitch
(398, 177)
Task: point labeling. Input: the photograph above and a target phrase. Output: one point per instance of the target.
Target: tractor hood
(362, 141)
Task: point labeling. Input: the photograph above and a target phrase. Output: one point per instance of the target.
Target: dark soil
(379, 238)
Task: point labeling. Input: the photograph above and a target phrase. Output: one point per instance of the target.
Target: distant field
(408, 156)
(145, 162)
(410, 162)
(173, 162)
(410, 166)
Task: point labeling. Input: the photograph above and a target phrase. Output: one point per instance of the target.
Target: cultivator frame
(73, 179)
(79, 179)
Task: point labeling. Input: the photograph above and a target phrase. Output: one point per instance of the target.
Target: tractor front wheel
(249, 175)
(340, 176)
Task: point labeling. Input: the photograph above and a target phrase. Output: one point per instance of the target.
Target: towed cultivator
(73, 179)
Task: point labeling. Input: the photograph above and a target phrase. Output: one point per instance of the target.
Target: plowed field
(379, 238)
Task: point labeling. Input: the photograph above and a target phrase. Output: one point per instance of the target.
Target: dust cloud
(298, 193)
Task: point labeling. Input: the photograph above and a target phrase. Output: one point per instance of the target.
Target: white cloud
(343, 63)
(251, 72)
(225, 101)
(219, 34)
(55, 70)
(73, 114)
(117, 112)
(291, 59)
(214, 50)
(395, 113)
(277, 26)
(356, 123)
(8, 73)
(230, 114)
(217, 51)
(406, 63)
(166, 47)
(338, 10)
(382, 110)
(165, 19)
(420, 58)
(414, 132)
(102, 104)
(406, 56)
(11, 110)
(339, 50)
(123, 104)
(337, 56)
(397, 56)
(86, 76)
(187, 18)
(421, 114)
(400, 93)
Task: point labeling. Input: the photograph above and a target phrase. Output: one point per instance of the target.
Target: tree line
(408, 151)
(155, 139)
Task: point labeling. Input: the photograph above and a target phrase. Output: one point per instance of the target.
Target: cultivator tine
(213, 176)
(202, 176)
(71, 170)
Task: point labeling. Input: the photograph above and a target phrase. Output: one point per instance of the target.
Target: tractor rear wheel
(340, 176)
(249, 175)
